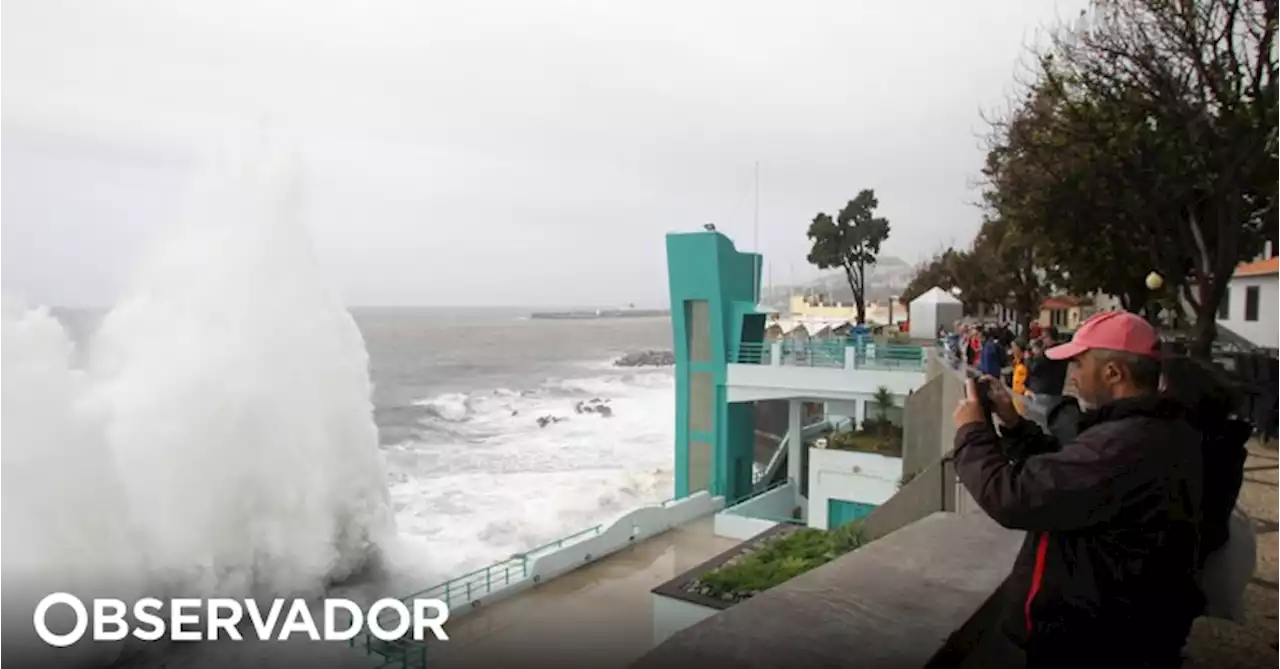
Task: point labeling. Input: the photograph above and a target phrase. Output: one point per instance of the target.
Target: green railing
(892, 356)
(561, 543)
(466, 588)
(822, 353)
(831, 353)
(753, 353)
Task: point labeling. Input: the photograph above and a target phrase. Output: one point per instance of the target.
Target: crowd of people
(1036, 380)
(1126, 487)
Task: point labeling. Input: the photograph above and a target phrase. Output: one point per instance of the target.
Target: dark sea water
(416, 354)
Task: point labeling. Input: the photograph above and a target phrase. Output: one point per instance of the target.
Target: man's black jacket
(1112, 521)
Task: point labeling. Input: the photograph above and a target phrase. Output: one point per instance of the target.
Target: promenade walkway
(1218, 643)
(600, 615)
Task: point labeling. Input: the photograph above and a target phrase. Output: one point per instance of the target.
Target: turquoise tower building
(714, 308)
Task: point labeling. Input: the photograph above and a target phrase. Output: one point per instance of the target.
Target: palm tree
(883, 400)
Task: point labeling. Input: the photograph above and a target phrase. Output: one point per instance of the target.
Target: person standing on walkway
(1045, 381)
(1107, 575)
(991, 359)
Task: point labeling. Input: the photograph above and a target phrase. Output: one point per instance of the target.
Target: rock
(594, 405)
(650, 358)
(544, 421)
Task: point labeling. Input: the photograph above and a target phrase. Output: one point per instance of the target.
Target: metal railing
(831, 353)
(466, 588)
(753, 353)
(890, 356)
(823, 353)
(561, 543)
(819, 427)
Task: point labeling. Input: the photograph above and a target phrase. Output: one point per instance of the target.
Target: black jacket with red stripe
(1112, 522)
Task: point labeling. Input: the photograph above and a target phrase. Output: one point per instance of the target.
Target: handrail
(781, 450)
(508, 571)
(756, 493)
(561, 542)
(752, 353)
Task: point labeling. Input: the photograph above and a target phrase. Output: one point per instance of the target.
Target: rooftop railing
(832, 354)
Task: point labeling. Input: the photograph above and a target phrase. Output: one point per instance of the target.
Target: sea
(473, 476)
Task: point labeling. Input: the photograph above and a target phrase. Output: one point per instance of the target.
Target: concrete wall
(892, 603)
(927, 493)
(848, 475)
(739, 527)
(922, 426)
(750, 383)
(634, 527)
(672, 615)
(747, 519)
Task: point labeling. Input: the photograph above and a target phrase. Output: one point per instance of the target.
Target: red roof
(1259, 267)
(1062, 302)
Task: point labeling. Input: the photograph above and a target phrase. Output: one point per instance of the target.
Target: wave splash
(219, 440)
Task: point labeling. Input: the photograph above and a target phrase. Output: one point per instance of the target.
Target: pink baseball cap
(1111, 330)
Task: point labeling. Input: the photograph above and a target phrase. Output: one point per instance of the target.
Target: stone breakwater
(651, 358)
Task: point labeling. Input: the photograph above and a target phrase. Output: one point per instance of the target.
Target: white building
(935, 308)
(1250, 306)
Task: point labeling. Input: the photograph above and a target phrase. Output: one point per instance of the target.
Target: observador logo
(214, 619)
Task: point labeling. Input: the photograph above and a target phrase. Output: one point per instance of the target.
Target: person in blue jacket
(991, 360)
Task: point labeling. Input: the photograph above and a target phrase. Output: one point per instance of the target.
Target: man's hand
(969, 410)
(1001, 401)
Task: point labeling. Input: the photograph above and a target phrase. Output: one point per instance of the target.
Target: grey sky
(498, 153)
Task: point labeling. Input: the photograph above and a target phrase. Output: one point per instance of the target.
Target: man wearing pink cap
(1106, 576)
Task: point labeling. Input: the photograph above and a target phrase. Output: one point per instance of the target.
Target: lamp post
(1154, 283)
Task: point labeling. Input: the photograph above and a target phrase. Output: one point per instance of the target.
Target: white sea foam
(504, 484)
(221, 439)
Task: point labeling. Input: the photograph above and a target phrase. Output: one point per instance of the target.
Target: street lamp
(1154, 283)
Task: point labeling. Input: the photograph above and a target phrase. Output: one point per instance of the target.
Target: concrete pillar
(850, 357)
(860, 412)
(795, 440)
(775, 353)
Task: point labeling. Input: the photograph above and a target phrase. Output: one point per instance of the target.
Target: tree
(1009, 253)
(850, 242)
(1056, 184)
(1148, 142)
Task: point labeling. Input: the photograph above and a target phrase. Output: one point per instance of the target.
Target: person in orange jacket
(1019, 377)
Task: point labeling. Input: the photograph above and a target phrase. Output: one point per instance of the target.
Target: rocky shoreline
(649, 358)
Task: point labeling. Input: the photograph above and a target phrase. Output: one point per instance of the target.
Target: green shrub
(777, 560)
(873, 438)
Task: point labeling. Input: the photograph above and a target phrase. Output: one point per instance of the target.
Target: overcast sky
(499, 153)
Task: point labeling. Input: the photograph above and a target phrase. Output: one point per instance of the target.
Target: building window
(697, 325)
(1224, 309)
(1251, 303)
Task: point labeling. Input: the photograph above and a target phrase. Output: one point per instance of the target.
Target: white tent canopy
(934, 309)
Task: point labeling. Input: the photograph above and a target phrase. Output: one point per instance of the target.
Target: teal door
(842, 512)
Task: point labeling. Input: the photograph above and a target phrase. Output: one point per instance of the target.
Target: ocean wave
(473, 493)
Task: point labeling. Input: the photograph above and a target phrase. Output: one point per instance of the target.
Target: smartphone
(984, 398)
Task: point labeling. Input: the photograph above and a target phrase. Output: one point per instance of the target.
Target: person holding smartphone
(1107, 575)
